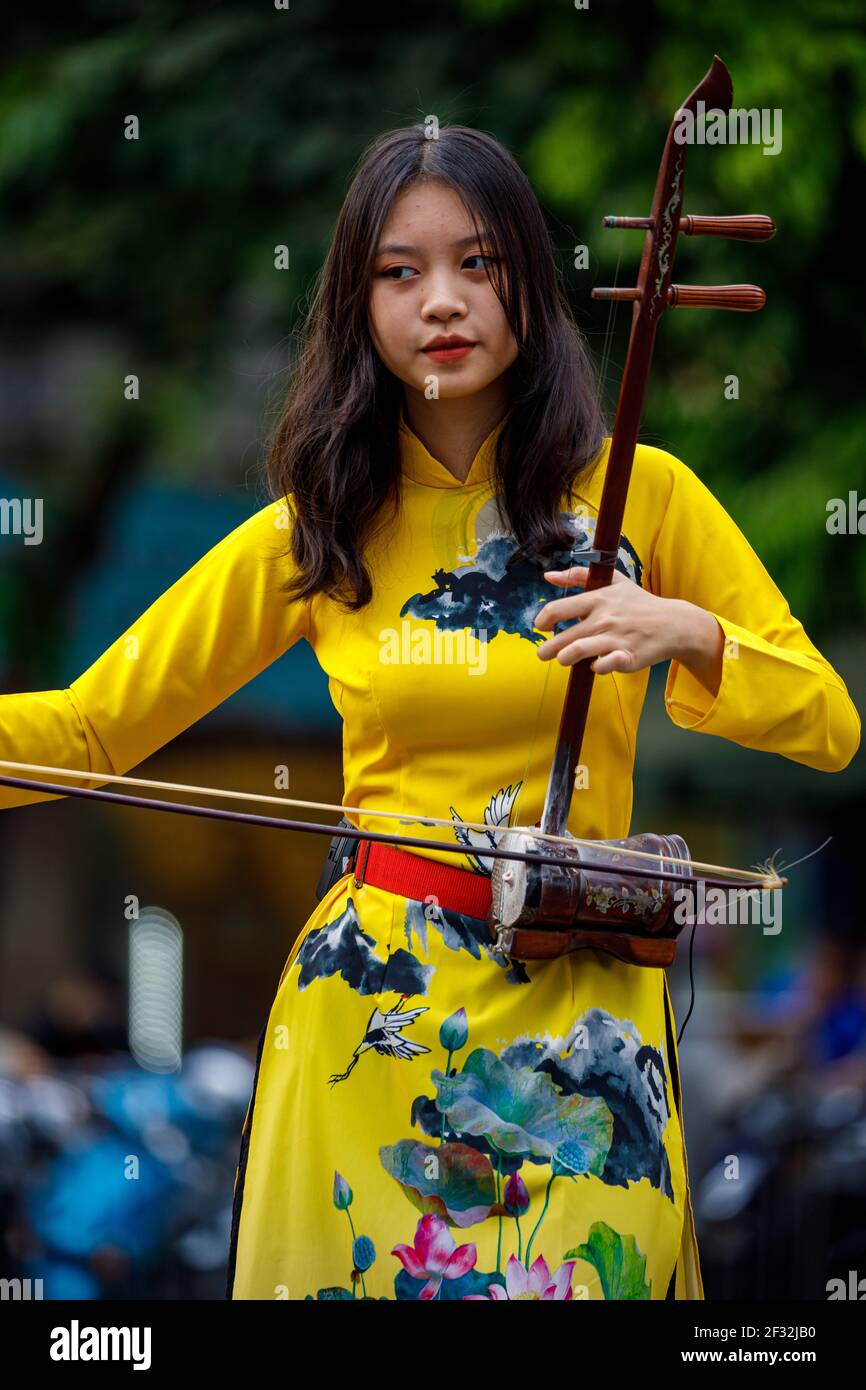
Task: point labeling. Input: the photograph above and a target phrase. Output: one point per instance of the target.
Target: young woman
(428, 1120)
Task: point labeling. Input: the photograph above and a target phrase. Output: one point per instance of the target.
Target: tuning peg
(749, 226)
(631, 223)
(745, 227)
(744, 298)
(615, 294)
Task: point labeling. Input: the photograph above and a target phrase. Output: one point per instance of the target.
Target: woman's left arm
(741, 666)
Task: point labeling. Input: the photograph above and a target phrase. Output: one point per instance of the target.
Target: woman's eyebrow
(407, 249)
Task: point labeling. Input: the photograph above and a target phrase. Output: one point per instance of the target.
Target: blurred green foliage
(250, 120)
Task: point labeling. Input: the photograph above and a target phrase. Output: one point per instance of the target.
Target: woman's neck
(454, 430)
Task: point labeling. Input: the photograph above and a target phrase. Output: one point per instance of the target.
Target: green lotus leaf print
(451, 1181)
(620, 1265)
(522, 1113)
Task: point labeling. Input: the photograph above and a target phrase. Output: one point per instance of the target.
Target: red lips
(451, 341)
(449, 348)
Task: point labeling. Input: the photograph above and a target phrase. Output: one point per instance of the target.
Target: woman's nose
(443, 301)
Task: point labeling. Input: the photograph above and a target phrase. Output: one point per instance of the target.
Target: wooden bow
(765, 878)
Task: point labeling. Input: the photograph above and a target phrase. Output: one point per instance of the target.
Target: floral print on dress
(607, 1057)
(486, 1121)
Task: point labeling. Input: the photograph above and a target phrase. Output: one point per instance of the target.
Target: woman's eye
(402, 272)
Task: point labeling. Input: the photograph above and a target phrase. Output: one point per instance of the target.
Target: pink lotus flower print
(435, 1256)
(533, 1283)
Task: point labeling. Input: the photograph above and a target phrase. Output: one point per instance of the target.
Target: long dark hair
(335, 446)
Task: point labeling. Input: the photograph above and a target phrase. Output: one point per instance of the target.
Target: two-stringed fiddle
(542, 910)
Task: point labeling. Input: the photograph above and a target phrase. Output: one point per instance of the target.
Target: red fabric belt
(414, 876)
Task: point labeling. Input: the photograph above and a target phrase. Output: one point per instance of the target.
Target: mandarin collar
(419, 464)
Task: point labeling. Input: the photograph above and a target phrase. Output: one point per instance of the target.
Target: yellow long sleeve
(216, 628)
(777, 692)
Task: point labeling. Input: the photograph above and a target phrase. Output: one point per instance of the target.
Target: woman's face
(430, 282)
